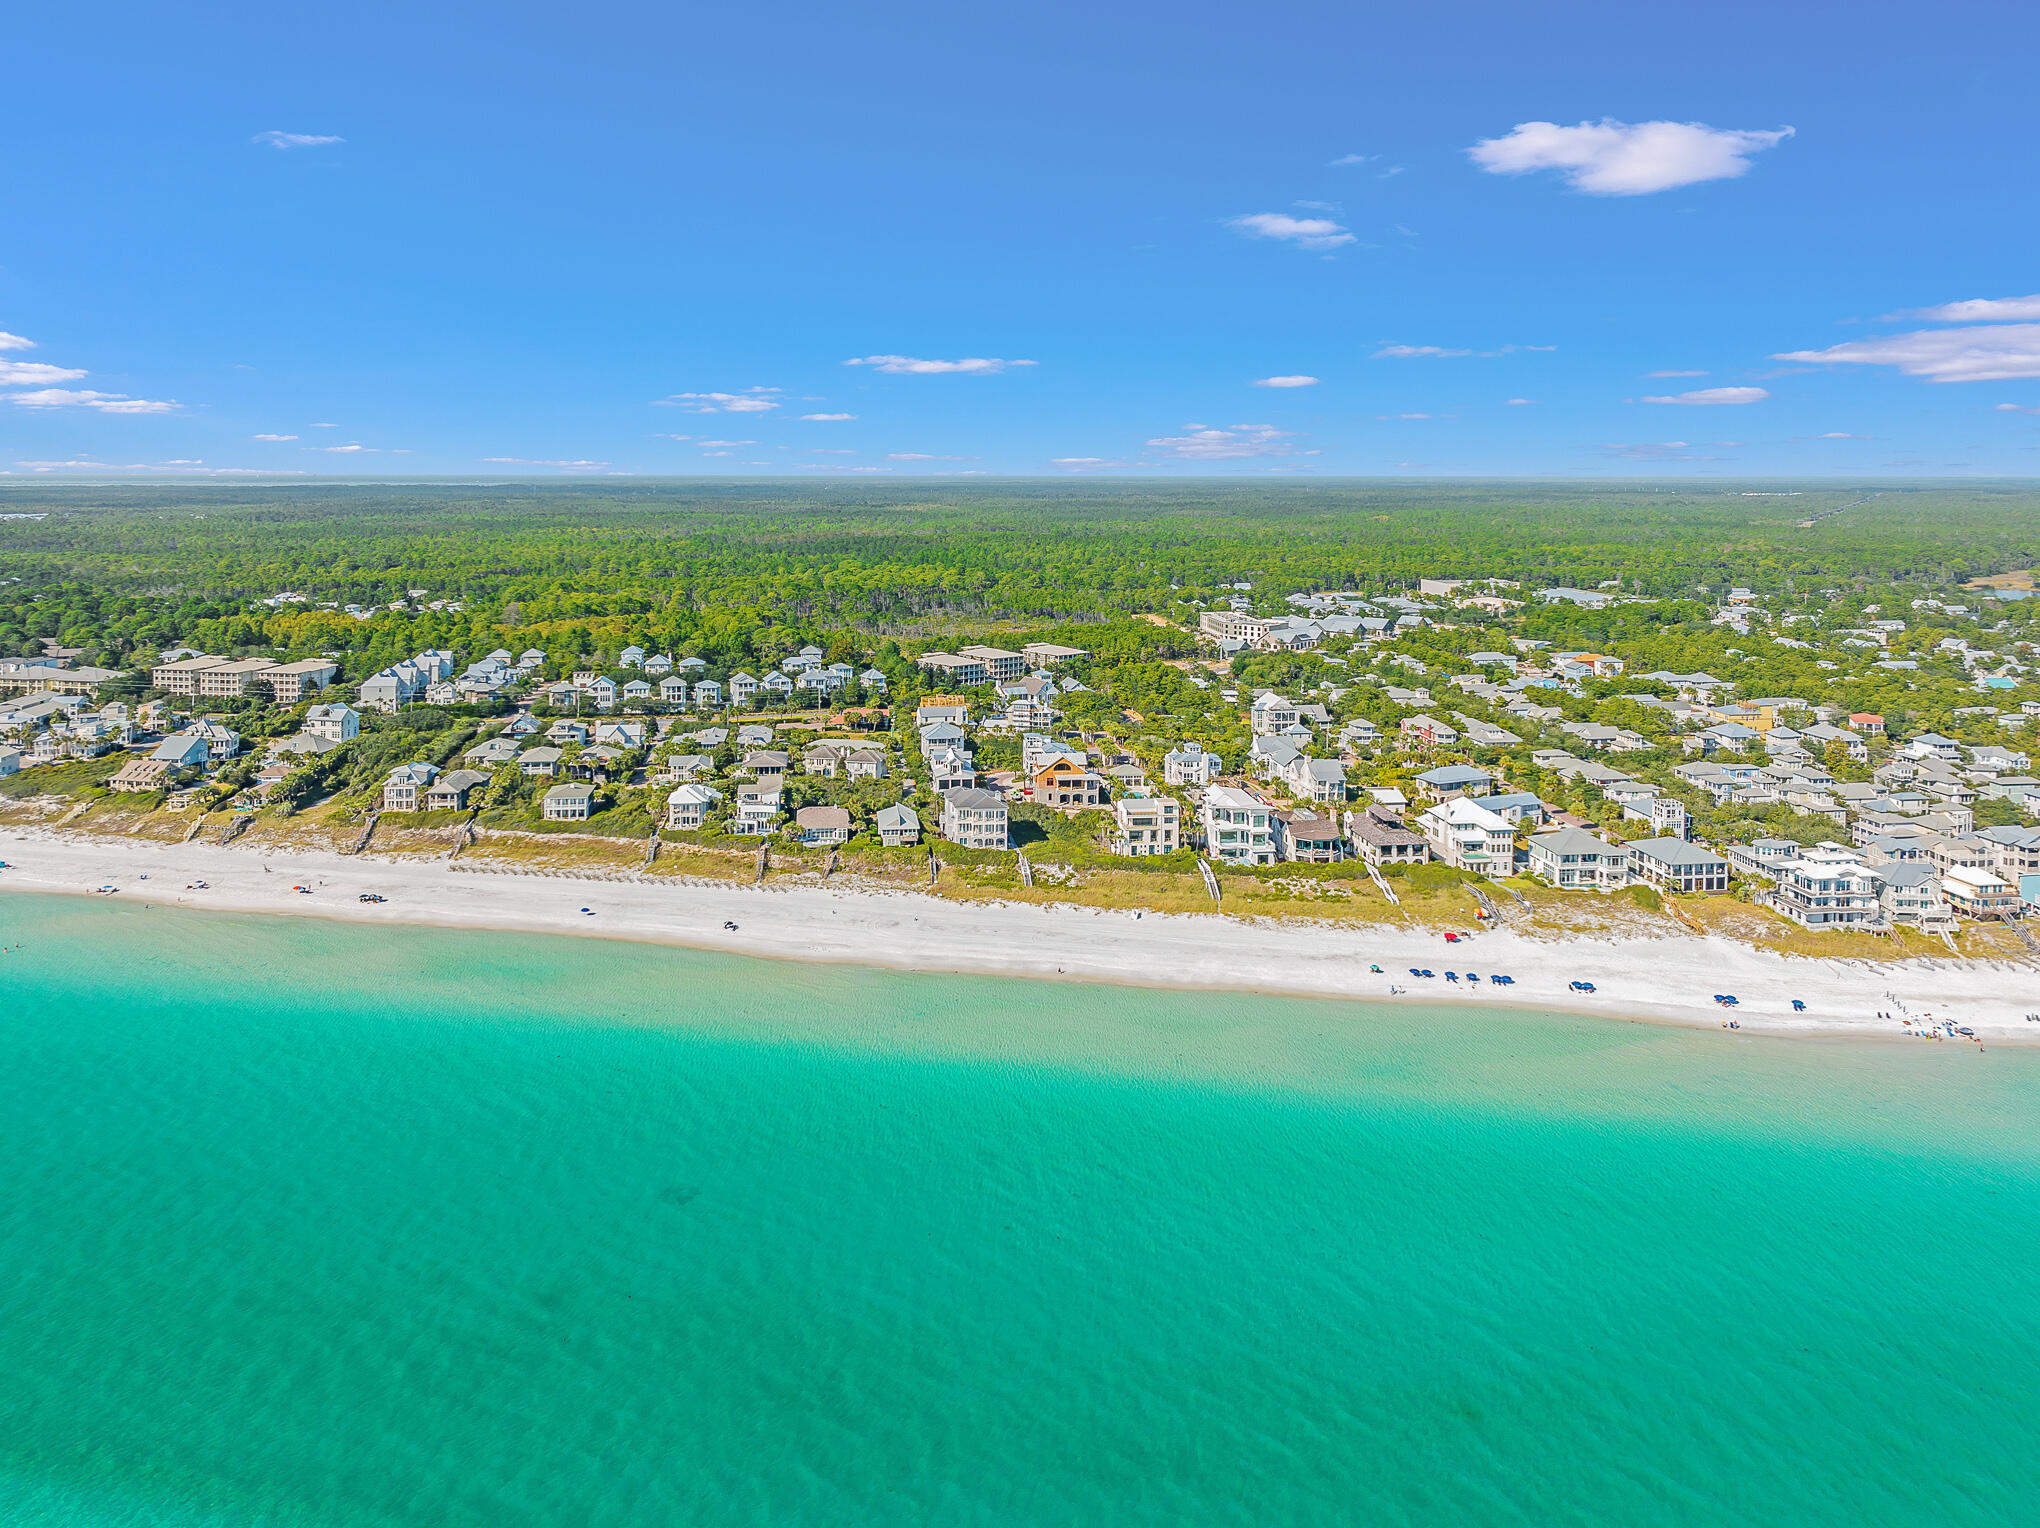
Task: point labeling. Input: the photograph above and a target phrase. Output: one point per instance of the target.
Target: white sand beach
(1669, 980)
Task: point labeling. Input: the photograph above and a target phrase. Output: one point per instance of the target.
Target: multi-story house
(571, 802)
(975, 819)
(1191, 765)
(1271, 713)
(1571, 857)
(1465, 834)
(404, 789)
(1382, 838)
(688, 806)
(1238, 828)
(1673, 865)
(1062, 780)
(1144, 823)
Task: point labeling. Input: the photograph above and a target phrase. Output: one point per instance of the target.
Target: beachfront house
(976, 819)
(1673, 865)
(1381, 837)
(404, 789)
(1977, 892)
(1575, 858)
(450, 792)
(1308, 840)
(688, 806)
(1238, 828)
(1464, 834)
(897, 826)
(757, 809)
(135, 775)
(1825, 888)
(821, 826)
(1144, 824)
(569, 802)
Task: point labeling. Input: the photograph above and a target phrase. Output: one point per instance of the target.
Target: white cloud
(828, 450)
(1085, 461)
(827, 417)
(923, 456)
(1518, 402)
(1412, 352)
(35, 374)
(1610, 158)
(1286, 382)
(1657, 451)
(1308, 233)
(913, 366)
(1319, 206)
(661, 435)
(324, 424)
(1706, 395)
(519, 461)
(832, 467)
(1979, 310)
(79, 464)
(349, 447)
(1203, 444)
(2014, 408)
(1353, 159)
(14, 342)
(1676, 374)
(1991, 353)
(1842, 435)
(752, 400)
(85, 398)
(729, 442)
(282, 140)
(276, 437)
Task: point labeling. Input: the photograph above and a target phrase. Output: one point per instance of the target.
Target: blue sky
(1058, 240)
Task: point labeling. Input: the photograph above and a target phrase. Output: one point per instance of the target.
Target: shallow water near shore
(311, 1223)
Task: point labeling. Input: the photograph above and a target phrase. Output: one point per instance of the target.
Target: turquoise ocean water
(314, 1224)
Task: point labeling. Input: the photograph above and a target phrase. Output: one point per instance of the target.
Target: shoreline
(1664, 980)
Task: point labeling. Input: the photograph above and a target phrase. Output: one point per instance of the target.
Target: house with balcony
(1146, 823)
(1975, 892)
(573, 801)
(976, 819)
(1464, 834)
(1672, 865)
(1828, 887)
(757, 809)
(1191, 765)
(898, 826)
(688, 806)
(452, 790)
(1381, 838)
(404, 789)
(1239, 829)
(1575, 859)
